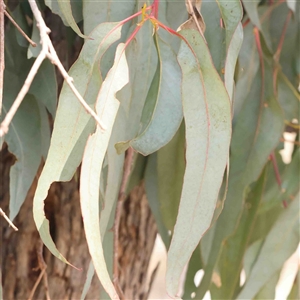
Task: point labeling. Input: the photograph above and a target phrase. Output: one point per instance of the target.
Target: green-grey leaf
(162, 112)
(44, 86)
(107, 107)
(255, 135)
(230, 262)
(151, 187)
(269, 289)
(66, 9)
(106, 11)
(70, 12)
(24, 141)
(170, 172)
(35, 36)
(207, 115)
(279, 245)
(88, 281)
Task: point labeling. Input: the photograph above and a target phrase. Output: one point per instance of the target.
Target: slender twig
(121, 199)
(36, 284)
(31, 42)
(3, 214)
(9, 116)
(279, 48)
(2, 63)
(192, 12)
(42, 266)
(49, 52)
(276, 169)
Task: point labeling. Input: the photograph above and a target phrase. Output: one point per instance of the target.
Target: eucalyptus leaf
(279, 245)
(207, 115)
(256, 133)
(106, 106)
(162, 112)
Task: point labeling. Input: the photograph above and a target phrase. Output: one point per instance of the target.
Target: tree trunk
(20, 251)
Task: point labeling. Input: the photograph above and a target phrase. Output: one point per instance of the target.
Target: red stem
(276, 170)
(155, 8)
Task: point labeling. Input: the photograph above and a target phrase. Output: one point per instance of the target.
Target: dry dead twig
(3, 214)
(42, 266)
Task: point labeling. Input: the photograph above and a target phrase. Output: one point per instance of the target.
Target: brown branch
(3, 214)
(31, 42)
(122, 196)
(2, 62)
(49, 52)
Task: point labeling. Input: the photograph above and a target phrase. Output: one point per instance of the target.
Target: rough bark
(19, 250)
(136, 237)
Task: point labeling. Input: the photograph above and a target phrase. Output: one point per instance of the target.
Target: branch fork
(49, 52)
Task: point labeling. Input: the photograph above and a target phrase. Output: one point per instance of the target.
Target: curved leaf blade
(107, 107)
(162, 112)
(66, 9)
(207, 115)
(71, 126)
(279, 245)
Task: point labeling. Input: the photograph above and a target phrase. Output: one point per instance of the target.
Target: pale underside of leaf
(72, 126)
(207, 117)
(107, 107)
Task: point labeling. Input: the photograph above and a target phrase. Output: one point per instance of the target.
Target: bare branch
(3, 214)
(9, 116)
(49, 52)
(31, 42)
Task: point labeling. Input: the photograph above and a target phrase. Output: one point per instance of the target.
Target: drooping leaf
(35, 36)
(107, 11)
(45, 130)
(248, 66)
(162, 112)
(207, 118)
(66, 10)
(24, 141)
(269, 289)
(230, 262)
(151, 187)
(194, 266)
(72, 126)
(70, 12)
(89, 278)
(231, 59)
(256, 133)
(44, 86)
(257, 16)
(170, 172)
(141, 56)
(289, 97)
(279, 245)
(222, 20)
(107, 107)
